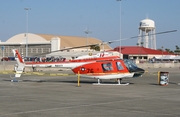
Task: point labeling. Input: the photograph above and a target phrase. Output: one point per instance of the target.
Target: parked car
(5, 59)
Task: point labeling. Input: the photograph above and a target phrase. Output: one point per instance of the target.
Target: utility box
(163, 78)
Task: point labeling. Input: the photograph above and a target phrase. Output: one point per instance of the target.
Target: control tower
(147, 37)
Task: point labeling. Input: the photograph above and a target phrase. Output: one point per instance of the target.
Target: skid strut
(119, 80)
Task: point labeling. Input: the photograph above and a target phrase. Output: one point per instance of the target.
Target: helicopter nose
(138, 72)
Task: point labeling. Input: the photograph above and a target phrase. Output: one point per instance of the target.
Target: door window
(119, 66)
(107, 67)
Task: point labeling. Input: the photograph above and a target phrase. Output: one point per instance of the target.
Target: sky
(106, 19)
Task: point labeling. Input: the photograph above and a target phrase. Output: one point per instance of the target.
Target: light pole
(27, 9)
(120, 35)
(162, 54)
(3, 56)
(141, 49)
(87, 31)
(138, 50)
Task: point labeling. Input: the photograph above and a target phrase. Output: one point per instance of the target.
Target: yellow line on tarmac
(41, 74)
(65, 74)
(35, 72)
(46, 74)
(28, 73)
(5, 72)
(59, 74)
(52, 74)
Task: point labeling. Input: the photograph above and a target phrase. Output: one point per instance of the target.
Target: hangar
(43, 43)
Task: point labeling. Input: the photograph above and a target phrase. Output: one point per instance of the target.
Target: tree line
(176, 51)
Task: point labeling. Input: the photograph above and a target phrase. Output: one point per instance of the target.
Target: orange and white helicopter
(108, 67)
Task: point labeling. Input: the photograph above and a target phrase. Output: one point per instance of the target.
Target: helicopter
(110, 67)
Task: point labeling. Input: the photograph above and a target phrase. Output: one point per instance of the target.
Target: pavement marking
(52, 74)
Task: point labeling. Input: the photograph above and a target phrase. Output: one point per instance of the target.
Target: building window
(41, 50)
(36, 50)
(145, 57)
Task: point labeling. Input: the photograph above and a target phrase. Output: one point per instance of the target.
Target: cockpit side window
(107, 67)
(119, 66)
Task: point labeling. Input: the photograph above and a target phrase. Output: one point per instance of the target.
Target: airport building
(33, 44)
(141, 53)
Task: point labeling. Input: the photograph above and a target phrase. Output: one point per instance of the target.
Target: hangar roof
(72, 41)
(65, 41)
(21, 38)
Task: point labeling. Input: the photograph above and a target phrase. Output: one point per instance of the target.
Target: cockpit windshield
(130, 65)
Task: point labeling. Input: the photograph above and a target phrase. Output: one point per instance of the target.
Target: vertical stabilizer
(20, 63)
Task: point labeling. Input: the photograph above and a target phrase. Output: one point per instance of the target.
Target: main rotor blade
(97, 44)
(144, 35)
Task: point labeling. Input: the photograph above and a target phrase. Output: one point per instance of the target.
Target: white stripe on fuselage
(58, 65)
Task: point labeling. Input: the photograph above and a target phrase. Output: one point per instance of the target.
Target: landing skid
(119, 83)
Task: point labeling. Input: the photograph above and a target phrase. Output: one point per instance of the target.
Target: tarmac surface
(59, 96)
